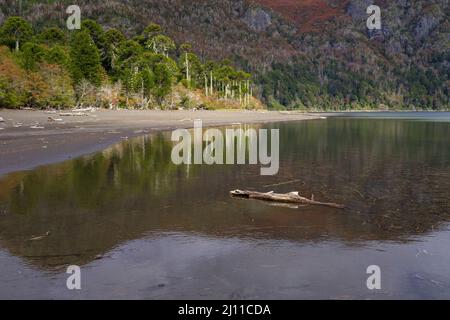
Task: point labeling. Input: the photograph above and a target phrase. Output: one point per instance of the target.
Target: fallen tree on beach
(291, 197)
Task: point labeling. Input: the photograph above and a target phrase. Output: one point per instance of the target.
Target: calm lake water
(141, 227)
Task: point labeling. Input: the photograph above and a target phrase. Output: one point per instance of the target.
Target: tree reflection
(393, 175)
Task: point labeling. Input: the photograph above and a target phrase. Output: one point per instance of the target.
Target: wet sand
(32, 138)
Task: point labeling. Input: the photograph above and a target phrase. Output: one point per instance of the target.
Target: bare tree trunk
(240, 93)
(188, 77)
(212, 85)
(247, 93)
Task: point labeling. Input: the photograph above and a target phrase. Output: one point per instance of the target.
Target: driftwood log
(292, 197)
(73, 114)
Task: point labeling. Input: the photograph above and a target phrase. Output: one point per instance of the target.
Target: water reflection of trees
(393, 176)
(86, 203)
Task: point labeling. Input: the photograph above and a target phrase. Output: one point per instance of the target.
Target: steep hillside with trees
(96, 67)
(302, 54)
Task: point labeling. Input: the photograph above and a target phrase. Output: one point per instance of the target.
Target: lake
(141, 227)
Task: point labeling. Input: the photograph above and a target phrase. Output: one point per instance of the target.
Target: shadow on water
(393, 175)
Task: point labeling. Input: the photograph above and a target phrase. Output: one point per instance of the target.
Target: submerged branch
(292, 197)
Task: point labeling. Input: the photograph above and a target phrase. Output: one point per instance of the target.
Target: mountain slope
(307, 15)
(306, 53)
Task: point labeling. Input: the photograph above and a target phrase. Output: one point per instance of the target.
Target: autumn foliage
(49, 86)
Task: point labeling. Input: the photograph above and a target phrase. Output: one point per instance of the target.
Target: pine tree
(161, 44)
(52, 36)
(85, 59)
(163, 81)
(97, 34)
(32, 54)
(113, 39)
(15, 31)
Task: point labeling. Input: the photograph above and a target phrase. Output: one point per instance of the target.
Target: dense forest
(302, 54)
(97, 67)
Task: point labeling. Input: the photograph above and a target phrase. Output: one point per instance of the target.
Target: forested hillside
(302, 54)
(94, 67)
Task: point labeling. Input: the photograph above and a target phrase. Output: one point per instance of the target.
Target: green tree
(32, 54)
(85, 59)
(14, 31)
(113, 39)
(128, 53)
(161, 44)
(96, 32)
(127, 63)
(57, 55)
(163, 82)
(191, 67)
(151, 60)
(52, 36)
(151, 31)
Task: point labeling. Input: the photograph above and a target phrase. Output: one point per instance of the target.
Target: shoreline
(32, 138)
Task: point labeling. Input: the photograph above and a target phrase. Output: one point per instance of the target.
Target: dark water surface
(141, 227)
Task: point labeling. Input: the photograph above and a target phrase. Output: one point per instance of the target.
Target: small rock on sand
(1, 119)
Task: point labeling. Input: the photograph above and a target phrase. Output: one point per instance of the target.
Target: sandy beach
(31, 138)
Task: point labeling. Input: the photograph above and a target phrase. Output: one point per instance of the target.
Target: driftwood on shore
(90, 109)
(74, 114)
(292, 197)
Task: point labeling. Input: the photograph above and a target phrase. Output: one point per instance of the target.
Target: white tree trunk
(188, 77)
